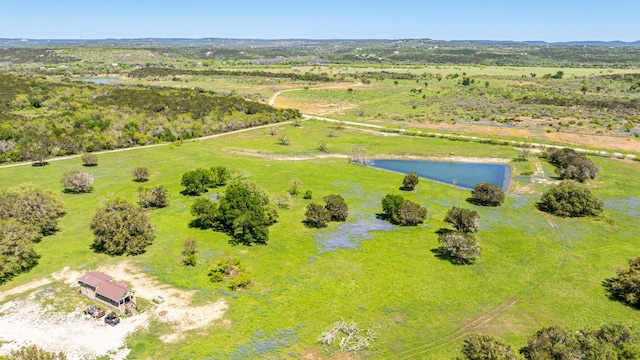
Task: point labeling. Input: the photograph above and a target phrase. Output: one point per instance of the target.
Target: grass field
(534, 271)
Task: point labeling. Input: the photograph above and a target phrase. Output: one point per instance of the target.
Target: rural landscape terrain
(232, 185)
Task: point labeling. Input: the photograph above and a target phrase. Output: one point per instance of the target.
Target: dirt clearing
(32, 319)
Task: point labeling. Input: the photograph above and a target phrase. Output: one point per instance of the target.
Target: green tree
(206, 213)
(552, 343)
(295, 187)
(77, 182)
(244, 213)
(465, 220)
(410, 181)
(196, 182)
(570, 199)
(391, 205)
(410, 214)
(626, 286)
(89, 159)
(17, 254)
(121, 228)
(459, 247)
(140, 174)
(317, 216)
(487, 194)
(487, 347)
(336, 207)
(231, 270)
(156, 197)
(32, 205)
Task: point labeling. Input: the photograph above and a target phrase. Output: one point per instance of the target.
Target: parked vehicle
(112, 319)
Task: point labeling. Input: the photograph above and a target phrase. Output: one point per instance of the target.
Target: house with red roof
(101, 288)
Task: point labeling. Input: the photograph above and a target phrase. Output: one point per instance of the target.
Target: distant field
(535, 270)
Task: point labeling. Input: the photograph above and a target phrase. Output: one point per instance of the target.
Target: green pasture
(530, 274)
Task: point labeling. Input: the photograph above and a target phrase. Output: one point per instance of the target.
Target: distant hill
(288, 42)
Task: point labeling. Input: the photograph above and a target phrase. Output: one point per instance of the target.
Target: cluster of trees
(611, 341)
(73, 117)
(570, 199)
(459, 245)
(198, 181)
(335, 209)
(27, 213)
(571, 165)
(401, 211)
(169, 72)
(244, 212)
(120, 227)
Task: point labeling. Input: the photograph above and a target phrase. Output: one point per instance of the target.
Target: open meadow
(535, 269)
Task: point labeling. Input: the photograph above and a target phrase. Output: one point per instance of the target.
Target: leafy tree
(570, 199)
(196, 181)
(17, 254)
(77, 182)
(626, 286)
(410, 214)
(121, 228)
(552, 343)
(206, 213)
(464, 220)
(189, 252)
(156, 197)
(410, 181)
(459, 247)
(317, 216)
(219, 176)
(140, 174)
(487, 194)
(336, 207)
(32, 205)
(89, 159)
(487, 347)
(245, 214)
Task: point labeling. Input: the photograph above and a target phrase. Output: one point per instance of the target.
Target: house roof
(112, 291)
(94, 278)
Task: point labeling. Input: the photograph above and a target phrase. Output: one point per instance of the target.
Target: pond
(461, 174)
(101, 80)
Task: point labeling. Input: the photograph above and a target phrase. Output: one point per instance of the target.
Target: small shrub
(189, 257)
(308, 195)
(33, 352)
(284, 140)
(410, 181)
(230, 269)
(77, 182)
(295, 187)
(89, 159)
(283, 201)
(140, 174)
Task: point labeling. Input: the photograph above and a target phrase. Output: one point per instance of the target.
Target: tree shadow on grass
(442, 254)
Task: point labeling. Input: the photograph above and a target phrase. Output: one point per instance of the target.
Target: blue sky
(547, 20)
